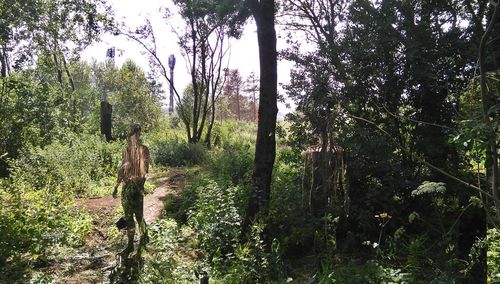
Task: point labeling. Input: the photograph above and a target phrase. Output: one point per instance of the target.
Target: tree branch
(422, 161)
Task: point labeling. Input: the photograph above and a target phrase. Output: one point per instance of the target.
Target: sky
(244, 54)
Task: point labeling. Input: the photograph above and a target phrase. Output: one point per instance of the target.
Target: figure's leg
(129, 218)
(139, 214)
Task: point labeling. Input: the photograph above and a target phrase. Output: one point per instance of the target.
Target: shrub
(368, 272)
(32, 220)
(287, 220)
(252, 263)
(232, 165)
(493, 241)
(234, 132)
(161, 264)
(76, 164)
(171, 152)
(217, 221)
(180, 208)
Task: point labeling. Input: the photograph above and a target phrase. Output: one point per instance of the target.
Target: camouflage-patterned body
(133, 202)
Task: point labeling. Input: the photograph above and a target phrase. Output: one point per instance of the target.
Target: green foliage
(133, 100)
(185, 106)
(76, 164)
(352, 272)
(175, 153)
(32, 220)
(217, 221)
(287, 221)
(162, 265)
(252, 263)
(493, 255)
(180, 208)
(29, 114)
(232, 164)
(232, 132)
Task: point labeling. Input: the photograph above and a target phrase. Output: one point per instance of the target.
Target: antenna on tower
(110, 54)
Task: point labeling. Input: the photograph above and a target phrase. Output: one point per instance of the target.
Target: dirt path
(153, 202)
(92, 262)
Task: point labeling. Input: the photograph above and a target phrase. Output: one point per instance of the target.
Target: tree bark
(238, 109)
(492, 167)
(265, 148)
(106, 122)
(3, 61)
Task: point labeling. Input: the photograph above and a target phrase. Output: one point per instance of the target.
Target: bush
(233, 132)
(287, 221)
(352, 272)
(76, 164)
(217, 221)
(232, 165)
(161, 264)
(171, 152)
(179, 209)
(32, 220)
(252, 263)
(493, 241)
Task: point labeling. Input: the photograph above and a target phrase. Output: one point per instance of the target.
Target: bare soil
(93, 261)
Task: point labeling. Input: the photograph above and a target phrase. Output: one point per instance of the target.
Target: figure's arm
(118, 182)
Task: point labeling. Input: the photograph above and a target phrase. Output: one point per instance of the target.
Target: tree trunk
(496, 60)
(238, 110)
(254, 107)
(491, 163)
(106, 122)
(3, 61)
(265, 148)
(208, 137)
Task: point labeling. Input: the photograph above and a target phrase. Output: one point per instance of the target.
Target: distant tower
(171, 65)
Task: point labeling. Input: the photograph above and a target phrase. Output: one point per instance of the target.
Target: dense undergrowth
(38, 198)
(202, 228)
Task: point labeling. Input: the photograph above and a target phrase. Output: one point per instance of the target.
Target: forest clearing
(255, 141)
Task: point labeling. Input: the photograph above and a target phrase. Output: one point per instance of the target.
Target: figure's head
(135, 130)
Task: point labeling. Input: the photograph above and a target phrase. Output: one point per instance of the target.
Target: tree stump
(106, 122)
(324, 187)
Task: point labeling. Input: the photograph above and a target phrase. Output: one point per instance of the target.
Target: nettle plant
(216, 219)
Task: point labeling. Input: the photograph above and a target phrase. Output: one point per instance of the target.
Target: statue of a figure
(132, 172)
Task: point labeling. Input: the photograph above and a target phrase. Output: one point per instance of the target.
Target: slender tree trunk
(73, 95)
(208, 137)
(3, 61)
(265, 148)
(59, 71)
(196, 93)
(238, 109)
(254, 107)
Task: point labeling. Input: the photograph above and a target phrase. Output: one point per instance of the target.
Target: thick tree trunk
(491, 163)
(106, 122)
(265, 148)
(495, 149)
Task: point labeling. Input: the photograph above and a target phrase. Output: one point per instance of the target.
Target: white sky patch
(244, 54)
